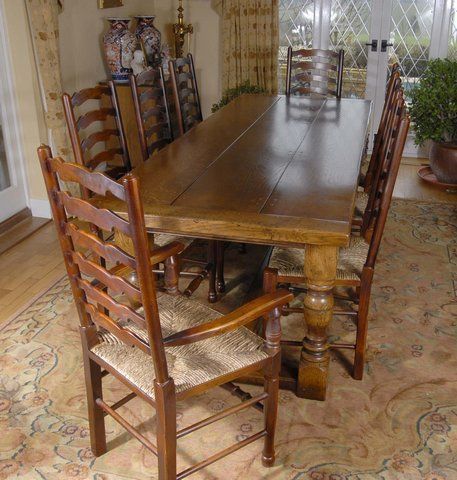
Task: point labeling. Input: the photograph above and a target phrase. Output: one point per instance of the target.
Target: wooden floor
(36, 263)
(20, 232)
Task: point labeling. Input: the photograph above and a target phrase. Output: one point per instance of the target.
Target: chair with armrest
(98, 140)
(163, 348)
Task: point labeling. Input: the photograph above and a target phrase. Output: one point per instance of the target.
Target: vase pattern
(150, 37)
(119, 45)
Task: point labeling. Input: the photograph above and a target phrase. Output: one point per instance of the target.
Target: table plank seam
(292, 157)
(225, 150)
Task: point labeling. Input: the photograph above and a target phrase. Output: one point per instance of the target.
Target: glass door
(12, 188)
(374, 34)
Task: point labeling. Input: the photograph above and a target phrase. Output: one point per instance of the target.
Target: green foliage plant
(434, 103)
(232, 93)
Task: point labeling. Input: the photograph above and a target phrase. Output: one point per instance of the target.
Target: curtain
(250, 43)
(44, 26)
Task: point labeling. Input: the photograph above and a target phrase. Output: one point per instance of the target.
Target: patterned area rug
(400, 422)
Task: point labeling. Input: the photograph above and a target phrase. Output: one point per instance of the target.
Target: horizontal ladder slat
(94, 181)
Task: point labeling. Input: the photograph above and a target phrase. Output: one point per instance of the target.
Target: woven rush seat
(361, 202)
(290, 261)
(189, 365)
(161, 239)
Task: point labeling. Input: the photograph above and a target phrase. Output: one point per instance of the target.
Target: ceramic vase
(119, 44)
(150, 37)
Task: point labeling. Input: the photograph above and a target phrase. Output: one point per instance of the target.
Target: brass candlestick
(180, 30)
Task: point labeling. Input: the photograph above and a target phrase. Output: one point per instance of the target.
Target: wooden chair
(88, 125)
(357, 262)
(185, 93)
(155, 349)
(151, 111)
(96, 131)
(393, 85)
(188, 109)
(314, 71)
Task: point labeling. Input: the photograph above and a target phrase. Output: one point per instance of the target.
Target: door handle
(384, 45)
(373, 45)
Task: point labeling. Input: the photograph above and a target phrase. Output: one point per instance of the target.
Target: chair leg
(166, 429)
(93, 377)
(362, 325)
(220, 282)
(271, 371)
(212, 259)
(271, 411)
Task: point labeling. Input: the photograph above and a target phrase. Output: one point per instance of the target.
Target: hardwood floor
(20, 231)
(29, 268)
(36, 263)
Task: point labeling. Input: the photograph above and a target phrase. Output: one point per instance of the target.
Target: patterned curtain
(44, 25)
(250, 37)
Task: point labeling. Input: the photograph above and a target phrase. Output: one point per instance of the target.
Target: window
(452, 47)
(349, 31)
(296, 20)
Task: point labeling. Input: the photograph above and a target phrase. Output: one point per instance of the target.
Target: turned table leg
(320, 273)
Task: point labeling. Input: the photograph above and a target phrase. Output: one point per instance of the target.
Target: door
(374, 34)
(13, 197)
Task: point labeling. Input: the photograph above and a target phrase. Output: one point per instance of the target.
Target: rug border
(29, 303)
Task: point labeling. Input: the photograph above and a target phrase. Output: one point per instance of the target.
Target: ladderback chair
(356, 263)
(393, 85)
(185, 93)
(163, 347)
(94, 122)
(151, 110)
(314, 72)
(96, 131)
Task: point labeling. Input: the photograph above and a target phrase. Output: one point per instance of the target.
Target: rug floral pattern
(400, 422)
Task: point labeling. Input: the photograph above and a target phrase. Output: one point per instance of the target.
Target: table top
(264, 169)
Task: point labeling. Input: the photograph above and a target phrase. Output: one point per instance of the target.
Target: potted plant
(232, 93)
(434, 114)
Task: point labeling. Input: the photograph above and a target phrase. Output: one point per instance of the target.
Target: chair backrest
(383, 200)
(151, 110)
(185, 93)
(102, 295)
(314, 71)
(95, 126)
(394, 85)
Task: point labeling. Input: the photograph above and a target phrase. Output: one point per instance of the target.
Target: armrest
(241, 316)
(160, 254)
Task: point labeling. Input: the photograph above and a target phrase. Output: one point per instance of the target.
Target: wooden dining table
(270, 170)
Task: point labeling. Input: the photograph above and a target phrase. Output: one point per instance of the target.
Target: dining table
(269, 170)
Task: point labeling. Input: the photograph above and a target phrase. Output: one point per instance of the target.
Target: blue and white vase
(119, 44)
(150, 37)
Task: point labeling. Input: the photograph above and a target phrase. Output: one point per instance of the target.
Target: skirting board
(40, 208)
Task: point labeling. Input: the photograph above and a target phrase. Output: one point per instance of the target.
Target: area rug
(400, 422)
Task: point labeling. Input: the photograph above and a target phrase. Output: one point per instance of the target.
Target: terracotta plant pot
(443, 161)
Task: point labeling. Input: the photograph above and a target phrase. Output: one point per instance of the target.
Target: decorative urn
(119, 44)
(150, 37)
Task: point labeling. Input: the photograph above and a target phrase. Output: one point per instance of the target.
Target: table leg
(320, 273)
